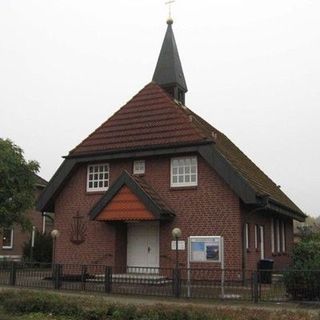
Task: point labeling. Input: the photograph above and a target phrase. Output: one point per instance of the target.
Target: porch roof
(130, 198)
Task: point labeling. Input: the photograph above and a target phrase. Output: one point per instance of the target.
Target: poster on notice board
(205, 249)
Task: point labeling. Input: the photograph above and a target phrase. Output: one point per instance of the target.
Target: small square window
(7, 239)
(139, 167)
(98, 177)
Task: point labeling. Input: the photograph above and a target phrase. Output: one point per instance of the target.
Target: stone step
(133, 278)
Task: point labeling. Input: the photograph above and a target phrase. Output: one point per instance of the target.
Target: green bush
(42, 251)
(95, 308)
(302, 280)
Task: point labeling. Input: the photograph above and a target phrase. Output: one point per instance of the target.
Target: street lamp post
(55, 268)
(54, 234)
(176, 233)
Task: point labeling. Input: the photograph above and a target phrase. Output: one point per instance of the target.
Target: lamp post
(176, 234)
(54, 234)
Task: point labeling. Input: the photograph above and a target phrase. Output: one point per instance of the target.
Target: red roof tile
(130, 198)
(124, 206)
(151, 118)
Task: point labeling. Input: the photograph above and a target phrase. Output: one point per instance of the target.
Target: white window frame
(43, 224)
(139, 167)
(272, 236)
(278, 235)
(247, 236)
(256, 236)
(183, 184)
(97, 189)
(261, 231)
(283, 236)
(11, 240)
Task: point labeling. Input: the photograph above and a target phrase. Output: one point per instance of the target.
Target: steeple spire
(168, 73)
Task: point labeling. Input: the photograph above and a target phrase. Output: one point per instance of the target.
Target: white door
(143, 244)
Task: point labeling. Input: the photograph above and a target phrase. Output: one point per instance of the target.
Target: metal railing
(227, 284)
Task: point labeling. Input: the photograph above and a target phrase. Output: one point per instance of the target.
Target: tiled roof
(130, 198)
(152, 194)
(258, 180)
(125, 206)
(151, 118)
(40, 181)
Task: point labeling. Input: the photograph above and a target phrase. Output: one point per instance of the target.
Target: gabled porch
(136, 210)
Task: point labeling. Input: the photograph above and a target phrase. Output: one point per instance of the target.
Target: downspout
(264, 205)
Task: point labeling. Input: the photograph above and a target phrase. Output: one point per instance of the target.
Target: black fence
(227, 284)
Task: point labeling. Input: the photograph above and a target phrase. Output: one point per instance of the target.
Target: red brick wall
(211, 208)
(282, 259)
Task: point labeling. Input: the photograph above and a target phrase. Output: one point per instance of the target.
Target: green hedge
(42, 251)
(302, 280)
(97, 308)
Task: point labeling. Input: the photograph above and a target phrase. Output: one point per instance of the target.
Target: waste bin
(265, 267)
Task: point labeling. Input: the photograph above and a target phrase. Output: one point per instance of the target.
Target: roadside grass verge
(43, 305)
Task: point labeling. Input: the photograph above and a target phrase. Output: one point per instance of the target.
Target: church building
(154, 166)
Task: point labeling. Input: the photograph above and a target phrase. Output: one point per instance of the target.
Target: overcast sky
(252, 68)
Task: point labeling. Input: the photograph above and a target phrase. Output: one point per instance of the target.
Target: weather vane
(169, 3)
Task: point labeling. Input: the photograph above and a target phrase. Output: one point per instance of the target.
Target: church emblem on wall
(78, 229)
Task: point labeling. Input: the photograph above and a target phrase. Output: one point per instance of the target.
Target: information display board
(205, 249)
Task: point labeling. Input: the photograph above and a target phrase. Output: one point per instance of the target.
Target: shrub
(42, 251)
(95, 308)
(302, 280)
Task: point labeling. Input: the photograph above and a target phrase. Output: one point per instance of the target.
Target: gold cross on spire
(169, 3)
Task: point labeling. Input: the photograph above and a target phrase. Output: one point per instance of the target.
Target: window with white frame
(184, 172)
(139, 167)
(278, 235)
(272, 236)
(261, 241)
(98, 177)
(7, 239)
(283, 236)
(247, 236)
(256, 236)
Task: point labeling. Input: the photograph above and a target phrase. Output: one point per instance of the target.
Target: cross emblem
(169, 3)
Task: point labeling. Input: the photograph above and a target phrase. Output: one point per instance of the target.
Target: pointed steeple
(168, 73)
